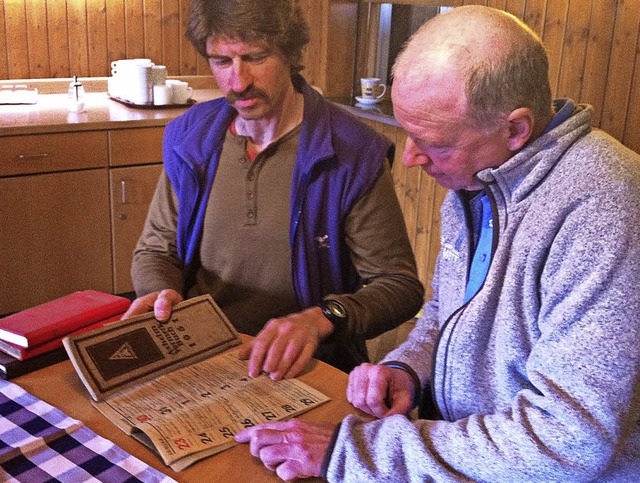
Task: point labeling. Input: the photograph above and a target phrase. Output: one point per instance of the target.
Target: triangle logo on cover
(124, 352)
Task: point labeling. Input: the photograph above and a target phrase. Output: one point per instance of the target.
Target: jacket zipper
(494, 243)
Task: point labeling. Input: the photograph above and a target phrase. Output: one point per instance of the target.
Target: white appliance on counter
(133, 80)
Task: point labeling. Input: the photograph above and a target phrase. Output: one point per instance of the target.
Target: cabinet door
(54, 237)
(131, 191)
(135, 146)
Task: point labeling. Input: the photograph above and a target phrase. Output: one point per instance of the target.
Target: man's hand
(380, 390)
(285, 345)
(160, 302)
(293, 449)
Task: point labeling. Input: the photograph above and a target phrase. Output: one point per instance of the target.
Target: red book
(60, 317)
(24, 353)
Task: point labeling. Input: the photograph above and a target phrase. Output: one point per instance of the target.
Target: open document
(175, 386)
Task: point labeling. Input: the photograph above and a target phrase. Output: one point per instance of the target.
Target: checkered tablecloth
(39, 443)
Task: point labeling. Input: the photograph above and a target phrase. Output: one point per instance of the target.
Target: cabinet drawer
(41, 153)
(136, 146)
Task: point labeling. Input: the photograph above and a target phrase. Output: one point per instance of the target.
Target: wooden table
(60, 386)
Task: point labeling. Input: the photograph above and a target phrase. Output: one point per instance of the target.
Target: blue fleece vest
(337, 163)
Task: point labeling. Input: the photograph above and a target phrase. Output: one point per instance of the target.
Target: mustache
(248, 93)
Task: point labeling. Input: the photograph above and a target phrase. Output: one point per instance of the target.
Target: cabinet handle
(123, 191)
(23, 157)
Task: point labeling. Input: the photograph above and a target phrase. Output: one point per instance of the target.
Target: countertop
(51, 114)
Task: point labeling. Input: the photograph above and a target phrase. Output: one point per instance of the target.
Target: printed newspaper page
(164, 384)
(195, 411)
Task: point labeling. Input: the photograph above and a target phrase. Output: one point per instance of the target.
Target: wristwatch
(335, 312)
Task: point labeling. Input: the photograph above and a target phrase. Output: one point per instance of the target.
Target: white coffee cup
(180, 91)
(139, 83)
(159, 74)
(162, 95)
(370, 85)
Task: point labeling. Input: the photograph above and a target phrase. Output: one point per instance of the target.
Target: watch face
(337, 309)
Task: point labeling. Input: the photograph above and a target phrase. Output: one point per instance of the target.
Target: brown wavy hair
(279, 22)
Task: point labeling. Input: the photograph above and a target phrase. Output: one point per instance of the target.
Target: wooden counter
(51, 114)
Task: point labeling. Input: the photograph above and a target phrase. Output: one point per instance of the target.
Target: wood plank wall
(594, 45)
(594, 53)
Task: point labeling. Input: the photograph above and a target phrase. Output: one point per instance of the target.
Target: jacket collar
(525, 170)
(207, 133)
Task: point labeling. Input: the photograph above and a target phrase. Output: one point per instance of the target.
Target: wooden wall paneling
(411, 204)
(553, 38)
(434, 246)
(516, 7)
(58, 37)
(623, 55)
(501, 4)
(78, 48)
(99, 62)
(153, 35)
(171, 32)
(36, 18)
(116, 33)
(134, 28)
(596, 70)
(17, 44)
(188, 55)
(315, 14)
(574, 50)
(534, 14)
(340, 54)
(4, 60)
(427, 233)
(631, 136)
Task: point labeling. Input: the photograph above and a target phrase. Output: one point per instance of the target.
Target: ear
(521, 123)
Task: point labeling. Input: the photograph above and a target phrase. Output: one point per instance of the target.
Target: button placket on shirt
(250, 187)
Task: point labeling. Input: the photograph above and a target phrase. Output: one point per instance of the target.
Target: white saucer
(367, 100)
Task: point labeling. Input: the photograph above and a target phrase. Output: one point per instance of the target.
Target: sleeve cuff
(416, 380)
(327, 456)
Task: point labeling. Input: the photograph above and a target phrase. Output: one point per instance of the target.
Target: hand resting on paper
(293, 449)
(285, 345)
(161, 303)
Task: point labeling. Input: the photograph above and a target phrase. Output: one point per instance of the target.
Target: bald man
(526, 362)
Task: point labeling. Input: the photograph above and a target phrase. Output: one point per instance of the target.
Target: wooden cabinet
(54, 237)
(73, 205)
(131, 191)
(135, 157)
(135, 146)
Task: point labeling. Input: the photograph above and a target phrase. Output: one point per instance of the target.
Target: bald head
(499, 62)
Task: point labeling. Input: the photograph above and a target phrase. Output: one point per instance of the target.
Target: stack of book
(32, 339)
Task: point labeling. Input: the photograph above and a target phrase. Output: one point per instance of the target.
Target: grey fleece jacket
(537, 377)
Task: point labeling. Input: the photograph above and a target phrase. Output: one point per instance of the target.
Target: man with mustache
(276, 202)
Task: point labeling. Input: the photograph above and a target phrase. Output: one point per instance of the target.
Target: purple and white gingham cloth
(39, 443)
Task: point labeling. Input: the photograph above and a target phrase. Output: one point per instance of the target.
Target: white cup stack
(141, 82)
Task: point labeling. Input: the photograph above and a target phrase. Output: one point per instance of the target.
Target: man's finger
(303, 358)
(163, 305)
(261, 345)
